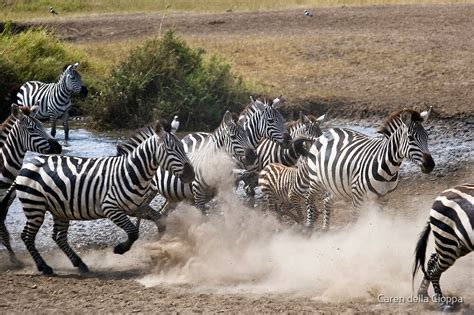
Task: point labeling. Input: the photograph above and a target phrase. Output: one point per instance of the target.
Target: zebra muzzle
(188, 173)
(286, 143)
(250, 156)
(84, 91)
(427, 164)
(54, 147)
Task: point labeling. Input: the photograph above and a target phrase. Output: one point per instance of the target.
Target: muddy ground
(237, 262)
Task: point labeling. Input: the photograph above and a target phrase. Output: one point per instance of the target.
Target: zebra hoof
(448, 307)
(16, 262)
(83, 268)
(46, 270)
(121, 249)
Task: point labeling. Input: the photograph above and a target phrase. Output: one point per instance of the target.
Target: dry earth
(199, 267)
(352, 60)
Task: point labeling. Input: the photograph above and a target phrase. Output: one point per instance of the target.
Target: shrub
(165, 77)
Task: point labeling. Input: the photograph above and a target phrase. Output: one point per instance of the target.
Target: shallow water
(449, 151)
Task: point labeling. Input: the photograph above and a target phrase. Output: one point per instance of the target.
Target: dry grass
(27, 10)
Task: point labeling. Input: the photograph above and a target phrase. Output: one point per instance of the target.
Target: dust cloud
(245, 250)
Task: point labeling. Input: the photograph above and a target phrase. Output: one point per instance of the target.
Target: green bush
(165, 77)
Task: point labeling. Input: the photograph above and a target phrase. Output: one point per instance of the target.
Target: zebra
(53, 99)
(73, 188)
(286, 188)
(350, 165)
(229, 137)
(307, 127)
(452, 222)
(19, 133)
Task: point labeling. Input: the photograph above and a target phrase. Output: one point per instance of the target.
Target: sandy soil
(236, 262)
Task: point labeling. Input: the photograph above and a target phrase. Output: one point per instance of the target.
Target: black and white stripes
(21, 132)
(452, 224)
(73, 188)
(53, 99)
(349, 165)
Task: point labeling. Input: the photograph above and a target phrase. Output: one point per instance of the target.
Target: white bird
(175, 124)
(307, 13)
(51, 10)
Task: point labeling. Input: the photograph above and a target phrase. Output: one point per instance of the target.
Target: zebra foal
(452, 224)
(349, 165)
(285, 189)
(53, 99)
(73, 188)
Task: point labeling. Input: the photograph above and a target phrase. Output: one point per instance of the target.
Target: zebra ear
(227, 119)
(276, 102)
(34, 110)
(321, 119)
(425, 115)
(16, 111)
(406, 116)
(157, 126)
(76, 65)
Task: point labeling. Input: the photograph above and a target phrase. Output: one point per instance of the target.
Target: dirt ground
(354, 61)
(201, 268)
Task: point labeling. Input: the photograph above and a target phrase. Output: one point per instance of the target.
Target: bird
(175, 124)
(51, 10)
(307, 13)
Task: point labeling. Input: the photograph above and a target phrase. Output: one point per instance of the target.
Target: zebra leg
(148, 213)
(53, 126)
(5, 235)
(120, 219)
(312, 212)
(60, 237)
(434, 271)
(34, 220)
(327, 204)
(66, 125)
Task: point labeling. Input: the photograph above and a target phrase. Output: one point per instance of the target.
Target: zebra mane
(294, 123)
(137, 138)
(393, 120)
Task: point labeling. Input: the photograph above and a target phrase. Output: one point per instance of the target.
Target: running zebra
(73, 188)
(350, 165)
(19, 133)
(286, 188)
(452, 223)
(229, 138)
(53, 99)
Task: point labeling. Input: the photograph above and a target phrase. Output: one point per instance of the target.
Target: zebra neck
(392, 153)
(12, 155)
(296, 130)
(217, 139)
(61, 87)
(147, 157)
(254, 128)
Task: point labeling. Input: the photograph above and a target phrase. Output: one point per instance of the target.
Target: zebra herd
(294, 163)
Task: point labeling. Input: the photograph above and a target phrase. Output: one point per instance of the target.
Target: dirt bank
(353, 60)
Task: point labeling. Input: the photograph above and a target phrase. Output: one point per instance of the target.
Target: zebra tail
(420, 252)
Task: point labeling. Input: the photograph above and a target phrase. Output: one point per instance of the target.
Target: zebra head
(265, 121)
(416, 149)
(73, 80)
(176, 160)
(237, 140)
(306, 126)
(32, 135)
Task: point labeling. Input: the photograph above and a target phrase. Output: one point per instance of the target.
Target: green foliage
(165, 77)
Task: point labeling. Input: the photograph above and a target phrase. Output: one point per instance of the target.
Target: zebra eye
(270, 120)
